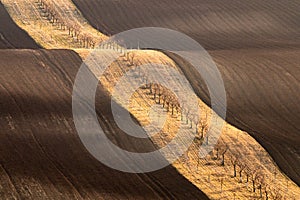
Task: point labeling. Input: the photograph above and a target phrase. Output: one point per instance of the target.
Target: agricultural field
(11, 36)
(262, 49)
(255, 46)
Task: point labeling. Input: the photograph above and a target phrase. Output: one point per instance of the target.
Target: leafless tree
(203, 127)
(173, 104)
(223, 150)
(131, 56)
(196, 121)
(83, 38)
(77, 31)
(192, 119)
(155, 91)
(160, 93)
(188, 113)
(70, 27)
(242, 165)
(261, 181)
(234, 161)
(247, 171)
(266, 188)
(164, 98)
(254, 177)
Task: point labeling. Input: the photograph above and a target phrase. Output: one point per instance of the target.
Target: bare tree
(164, 98)
(187, 115)
(173, 104)
(131, 56)
(196, 121)
(254, 177)
(160, 93)
(260, 181)
(247, 171)
(84, 39)
(242, 165)
(203, 127)
(155, 91)
(223, 150)
(234, 161)
(77, 31)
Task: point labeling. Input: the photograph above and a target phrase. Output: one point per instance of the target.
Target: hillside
(263, 100)
(11, 36)
(228, 24)
(256, 52)
(262, 87)
(41, 154)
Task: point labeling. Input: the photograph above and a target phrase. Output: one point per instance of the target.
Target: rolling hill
(41, 153)
(11, 36)
(256, 52)
(229, 24)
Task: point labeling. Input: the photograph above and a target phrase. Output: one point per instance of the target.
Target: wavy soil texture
(41, 154)
(261, 79)
(229, 24)
(11, 36)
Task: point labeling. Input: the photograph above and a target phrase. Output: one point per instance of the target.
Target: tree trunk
(260, 191)
(234, 170)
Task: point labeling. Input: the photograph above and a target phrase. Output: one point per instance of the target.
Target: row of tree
(56, 18)
(255, 176)
(169, 101)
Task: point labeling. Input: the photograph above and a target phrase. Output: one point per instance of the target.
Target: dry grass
(208, 173)
(27, 16)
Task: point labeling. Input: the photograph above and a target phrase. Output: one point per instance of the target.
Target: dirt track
(261, 79)
(11, 36)
(41, 155)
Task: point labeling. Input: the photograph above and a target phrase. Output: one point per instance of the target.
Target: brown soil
(262, 99)
(11, 36)
(41, 155)
(228, 24)
(261, 79)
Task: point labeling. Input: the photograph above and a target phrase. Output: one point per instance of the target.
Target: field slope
(11, 36)
(41, 154)
(256, 52)
(228, 24)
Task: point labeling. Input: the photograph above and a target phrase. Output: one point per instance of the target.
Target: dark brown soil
(227, 24)
(12, 36)
(256, 45)
(41, 156)
(262, 98)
